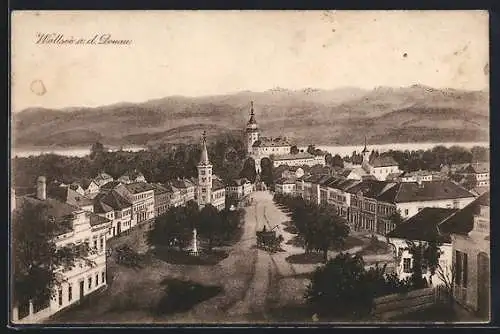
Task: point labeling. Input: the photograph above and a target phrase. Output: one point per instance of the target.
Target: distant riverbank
(69, 151)
(341, 150)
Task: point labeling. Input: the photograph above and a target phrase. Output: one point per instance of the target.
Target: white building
(210, 189)
(239, 188)
(299, 159)
(480, 172)
(116, 208)
(470, 234)
(141, 195)
(421, 175)
(423, 228)
(132, 176)
(76, 226)
(285, 186)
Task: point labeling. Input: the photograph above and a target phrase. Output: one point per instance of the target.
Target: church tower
(204, 176)
(252, 130)
(366, 154)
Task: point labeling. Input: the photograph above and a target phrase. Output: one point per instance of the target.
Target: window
(461, 267)
(60, 297)
(406, 212)
(90, 283)
(407, 265)
(103, 277)
(101, 246)
(95, 244)
(96, 279)
(70, 293)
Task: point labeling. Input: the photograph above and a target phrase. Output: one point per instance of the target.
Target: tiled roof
(383, 161)
(285, 180)
(430, 191)
(462, 222)
(68, 195)
(138, 187)
(132, 174)
(182, 183)
(85, 183)
(371, 188)
(424, 226)
(98, 220)
(217, 184)
(112, 200)
(111, 185)
(159, 189)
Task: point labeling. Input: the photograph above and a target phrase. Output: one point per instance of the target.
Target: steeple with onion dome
(252, 130)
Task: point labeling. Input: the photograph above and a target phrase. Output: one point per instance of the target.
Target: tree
(327, 230)
(248, 170)
(171, 229)
(311, 149)
(96, 150)
(337, 161)
(294, 149)
(425, 257)
(35, 257)
(267, 171)
(211, 224)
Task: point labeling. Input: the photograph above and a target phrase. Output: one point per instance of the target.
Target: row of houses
(94, 211)
(369, 204)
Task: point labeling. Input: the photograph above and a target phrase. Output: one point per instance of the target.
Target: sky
(195, 53)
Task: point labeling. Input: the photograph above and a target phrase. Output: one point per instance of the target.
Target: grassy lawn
(175, 256)
(181, 296)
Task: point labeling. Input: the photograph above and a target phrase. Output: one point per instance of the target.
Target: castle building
(210, 189)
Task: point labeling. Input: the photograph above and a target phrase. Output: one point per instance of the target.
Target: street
(254, 282)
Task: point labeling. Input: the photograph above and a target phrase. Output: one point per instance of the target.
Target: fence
(394, 305)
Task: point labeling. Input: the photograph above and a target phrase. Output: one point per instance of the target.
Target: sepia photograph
(249, 167)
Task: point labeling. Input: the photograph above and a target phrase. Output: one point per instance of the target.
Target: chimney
(41, 188)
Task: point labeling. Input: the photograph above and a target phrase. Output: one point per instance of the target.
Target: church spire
(204, 154)
(252, 121)
(365, 149)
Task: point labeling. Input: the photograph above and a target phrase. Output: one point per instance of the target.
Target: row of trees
(431, 159)
(319, 226)
(160, 164)
(175, 227)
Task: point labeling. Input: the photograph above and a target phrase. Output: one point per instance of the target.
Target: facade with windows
(285, 186)
(422, 229)
(470, 231)
(141, 195)
(76, 227)
(115, 207)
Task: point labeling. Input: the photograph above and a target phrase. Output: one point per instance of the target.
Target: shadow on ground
(174, 256)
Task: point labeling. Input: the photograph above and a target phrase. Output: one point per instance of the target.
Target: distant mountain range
(325, 117)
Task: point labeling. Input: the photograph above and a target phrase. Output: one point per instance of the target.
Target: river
(341, 150)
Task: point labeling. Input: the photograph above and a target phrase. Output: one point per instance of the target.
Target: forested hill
(324, 117)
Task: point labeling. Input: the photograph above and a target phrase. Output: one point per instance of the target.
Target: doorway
(82, 291)
(119, 227)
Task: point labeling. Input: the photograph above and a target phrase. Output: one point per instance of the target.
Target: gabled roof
(159, 189)
(217, 184)
(85, 183)
(285, 180)
(67, 195)
(96, 220)
(430, 191)
(138, 187)
(462, 221)
(102, 179)
(424, 226)
(111, 185)
(371, 188)
(111, 201)
(383, 161)
(182, 183)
